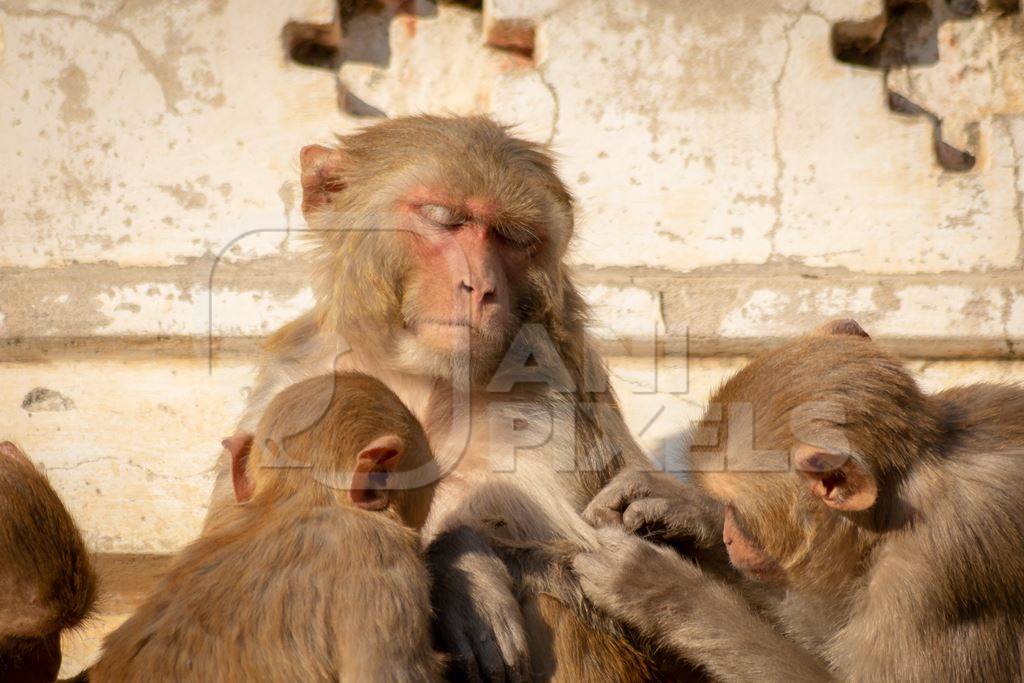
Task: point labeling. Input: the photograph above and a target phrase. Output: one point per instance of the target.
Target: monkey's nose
(481, 294)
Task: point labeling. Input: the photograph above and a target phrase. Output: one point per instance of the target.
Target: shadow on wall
(359, 32)
(906, 34)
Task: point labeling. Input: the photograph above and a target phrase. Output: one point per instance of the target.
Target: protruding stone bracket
(514, 35)
(950, 61)
(948, 157)
(323, 44)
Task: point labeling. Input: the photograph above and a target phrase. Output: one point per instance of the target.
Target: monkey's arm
(478, 616)
(705, 621)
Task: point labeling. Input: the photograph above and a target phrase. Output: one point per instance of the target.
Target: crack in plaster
(557, 112)
(1008, 301)
(108, 458)
(780, 165)
(1018, 188)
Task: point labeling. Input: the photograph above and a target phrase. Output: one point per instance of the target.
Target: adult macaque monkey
(47, 584)
(440, 271)
(890, 520)
(317, 575)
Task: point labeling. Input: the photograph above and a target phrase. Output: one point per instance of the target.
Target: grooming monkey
(47, 584)
(317, 574)
(889, 522)
(440, 246)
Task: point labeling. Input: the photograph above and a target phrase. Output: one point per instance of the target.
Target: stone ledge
(105, 310)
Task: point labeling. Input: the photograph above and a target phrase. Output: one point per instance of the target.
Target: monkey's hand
(658, 507)
(478, 618)
(670, 600)
(636, 581)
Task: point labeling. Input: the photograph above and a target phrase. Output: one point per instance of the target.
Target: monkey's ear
(9, 450)
(321, 167)
(842, 326)
(375, 464)
(239, 446)
(839, 481)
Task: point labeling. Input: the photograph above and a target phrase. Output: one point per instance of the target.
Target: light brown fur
(297, 584)
(921, 578)
(384, 274)
(47, 584)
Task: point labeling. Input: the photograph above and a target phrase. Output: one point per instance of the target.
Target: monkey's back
(278, 595)
(956, 566)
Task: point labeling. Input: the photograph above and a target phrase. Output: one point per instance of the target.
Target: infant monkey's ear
(375, 466)
(239, 446)
(843, 326)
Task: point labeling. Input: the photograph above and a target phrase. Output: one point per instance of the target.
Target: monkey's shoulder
(330, 535)
(277, 558)
(985, 417)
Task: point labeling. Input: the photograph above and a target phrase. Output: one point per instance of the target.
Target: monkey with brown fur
(889, 520)
(317, 575)
(47, 584)
(440, 270)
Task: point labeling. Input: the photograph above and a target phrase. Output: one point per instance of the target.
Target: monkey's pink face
(746, 554)
(465, 291)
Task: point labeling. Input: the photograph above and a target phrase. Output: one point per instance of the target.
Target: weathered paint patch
(42, 399)
(162, 308)
(624, 312)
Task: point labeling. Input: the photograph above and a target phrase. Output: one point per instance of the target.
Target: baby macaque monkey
(888, 522)
(47, 584)
(316, 575)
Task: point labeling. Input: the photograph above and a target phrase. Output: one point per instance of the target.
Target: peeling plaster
(165, 74)
(42, 399)
(75, 87)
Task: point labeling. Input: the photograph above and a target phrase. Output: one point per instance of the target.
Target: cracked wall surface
(737, 184)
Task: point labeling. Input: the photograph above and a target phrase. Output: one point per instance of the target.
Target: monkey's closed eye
(441, 215)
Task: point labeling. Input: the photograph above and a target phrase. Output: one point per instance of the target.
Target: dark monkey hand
(477, 616)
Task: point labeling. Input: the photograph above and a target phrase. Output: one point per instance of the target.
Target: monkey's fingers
(464, 658)
(596, 572)
(605, 509)
(647, 513)
(490, 647)
(509, 638)
(668, 520)
(488, 656)
(602, 517)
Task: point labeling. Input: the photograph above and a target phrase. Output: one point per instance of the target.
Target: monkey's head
(437, 239)
(806, 447)
(47, 583)
(341, 438)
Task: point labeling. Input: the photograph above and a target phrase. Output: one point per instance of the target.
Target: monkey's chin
(461, 358)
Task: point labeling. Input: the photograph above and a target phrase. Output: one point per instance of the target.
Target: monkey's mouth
(443, 323)
(458, 331)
